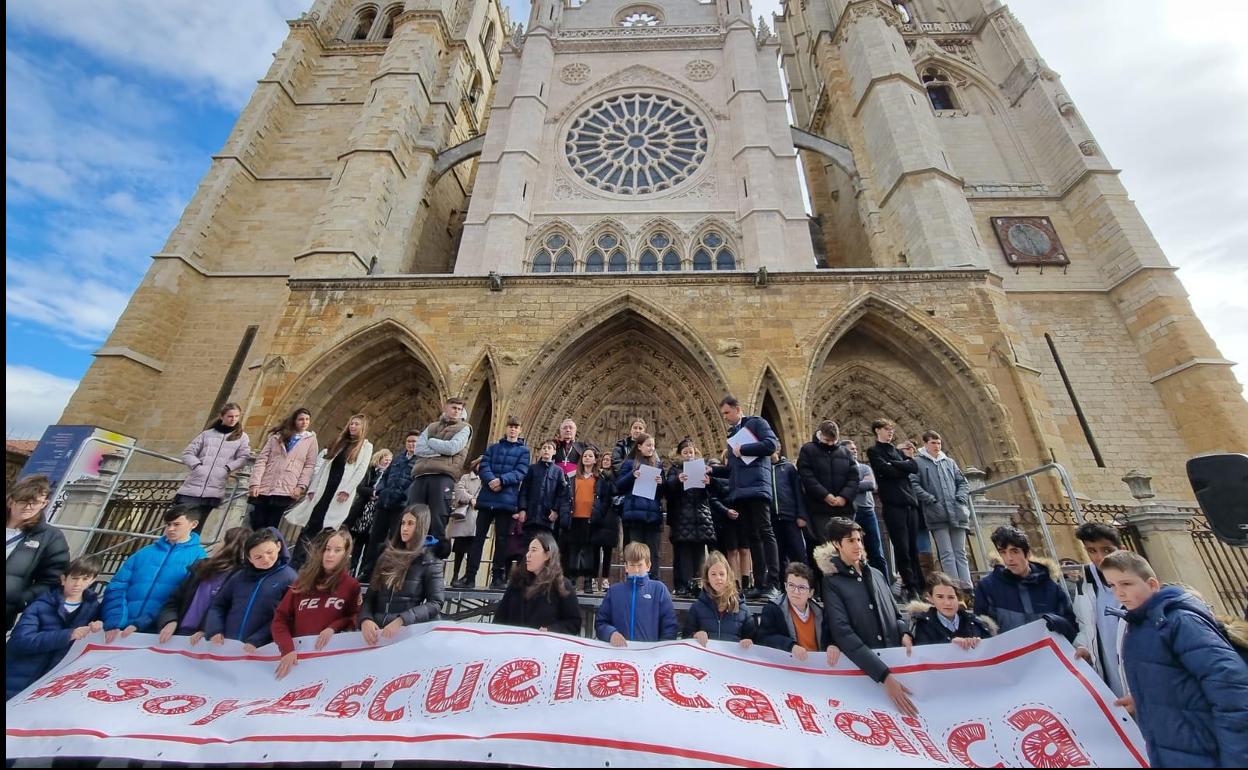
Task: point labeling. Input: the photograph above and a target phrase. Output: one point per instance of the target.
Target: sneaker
(603, 585)
(770, 595)
(498, 585)
(461, 583)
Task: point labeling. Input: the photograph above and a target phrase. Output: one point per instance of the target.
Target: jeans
(872, 541)
(951, 545)
(792, 542)
(434, 490)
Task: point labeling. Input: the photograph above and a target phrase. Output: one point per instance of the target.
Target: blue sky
(114, 107)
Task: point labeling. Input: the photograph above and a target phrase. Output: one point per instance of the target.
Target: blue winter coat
(703, 615)
(394, 482)
(638, 510)
(1190, 685)
(139, 589)
(41, 638)
(999, 598)
(788, 503)
(542, 491)
(750, 481)
(508, 462)
(243, 608)
(639, 608)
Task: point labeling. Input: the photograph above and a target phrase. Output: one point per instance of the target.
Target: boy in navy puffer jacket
(243, 609)
(50, 626)
(542, 491)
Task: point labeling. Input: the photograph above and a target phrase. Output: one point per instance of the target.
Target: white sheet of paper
(647, 485)
(695, 474)
(741, 438)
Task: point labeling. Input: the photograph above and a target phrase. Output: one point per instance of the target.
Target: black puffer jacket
(622, 451)
(892, 475)
(926, 627)
(703, 615)
(689, 513)
(548, 610)
(604, 523)
(395, 481)
(788, 502)
(417, 600)
(827, 469)
(35, 566)
(859, 621)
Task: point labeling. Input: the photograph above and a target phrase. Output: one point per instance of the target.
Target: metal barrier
(1037, 506)
(131, 510)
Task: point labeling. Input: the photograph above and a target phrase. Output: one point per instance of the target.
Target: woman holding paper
(638, 482)
(689, 515)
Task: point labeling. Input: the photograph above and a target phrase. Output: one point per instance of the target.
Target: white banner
(484, 693)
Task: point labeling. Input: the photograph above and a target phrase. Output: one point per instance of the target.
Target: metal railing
(1041, 519)
(1227, 565)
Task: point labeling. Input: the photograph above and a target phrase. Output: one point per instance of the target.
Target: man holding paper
(751, 442)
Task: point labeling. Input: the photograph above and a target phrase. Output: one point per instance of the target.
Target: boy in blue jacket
(1187, 683)
(50, 625)
(542, 492)
(244, 607)
(639, 609)
(139, 589)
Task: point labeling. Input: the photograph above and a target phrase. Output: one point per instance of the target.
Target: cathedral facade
(600, 216)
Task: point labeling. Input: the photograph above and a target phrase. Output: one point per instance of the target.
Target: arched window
(671, 260)
(474, 90)
(544, 257)
(663, 247)
(611, 245)
(639, 16)
(618, 263)
(714, 249)
(939, 89)
(724, 260)
(487, 42)
(387, 31)
(701, 259)
(648, 262)
(364, 24)
(594, 263)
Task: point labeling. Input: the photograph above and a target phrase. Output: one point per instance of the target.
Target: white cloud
(217, 48)
(33, 400)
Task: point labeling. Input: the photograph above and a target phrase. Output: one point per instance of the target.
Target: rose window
(634, 144)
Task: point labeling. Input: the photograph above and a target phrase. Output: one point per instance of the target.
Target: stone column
(1167, 540)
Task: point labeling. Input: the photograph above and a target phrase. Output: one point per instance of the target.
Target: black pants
(385, 523)
(460, 546)
(648, 534)
(602, 560)
(687, 566)
(579, 561)
(267, 510)
(501, 519)
(791, 541)
(434, 490)
(763, 548)
(902, 522)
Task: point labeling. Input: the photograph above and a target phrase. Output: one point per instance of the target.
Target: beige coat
(337, 512)
(278, 473)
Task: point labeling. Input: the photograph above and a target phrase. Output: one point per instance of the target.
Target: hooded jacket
(34, 567)
(146, 580)
(776, 628)
(749, 481)
(212, 456)
(278, 471)
(42, 637)
(927, 628)
(827, 469)
(507, 461)
(942, 491)
(1189, 683)
(704, 615)
(859, 621)
(689, 511)
(1012, 601)
(639, 608)
(243, 609)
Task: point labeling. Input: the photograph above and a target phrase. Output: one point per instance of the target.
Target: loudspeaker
(1221, 486)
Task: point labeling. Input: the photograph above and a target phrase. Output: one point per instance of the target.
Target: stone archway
(629, 364)
(382, 372)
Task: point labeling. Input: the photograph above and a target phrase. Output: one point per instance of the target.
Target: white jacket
(1089, 636)
(337, 512)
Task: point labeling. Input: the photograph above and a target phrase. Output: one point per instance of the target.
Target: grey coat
(942, 492)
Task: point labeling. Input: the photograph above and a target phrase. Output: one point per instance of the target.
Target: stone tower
(633, 242)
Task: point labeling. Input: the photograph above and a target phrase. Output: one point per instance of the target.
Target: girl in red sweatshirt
(323, 600)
